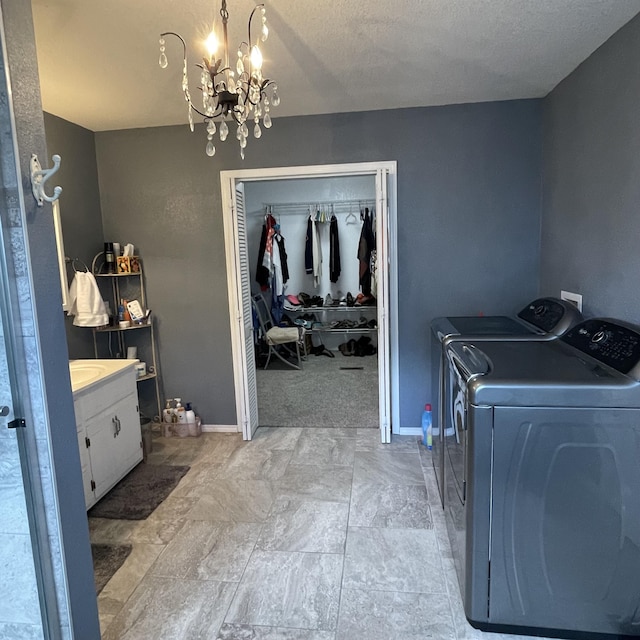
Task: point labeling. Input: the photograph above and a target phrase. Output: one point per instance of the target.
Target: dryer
(541, 319)
(543, 482)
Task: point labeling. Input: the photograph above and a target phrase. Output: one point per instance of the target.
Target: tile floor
(301, 534)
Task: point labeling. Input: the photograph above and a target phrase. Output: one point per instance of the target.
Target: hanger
(351, 217)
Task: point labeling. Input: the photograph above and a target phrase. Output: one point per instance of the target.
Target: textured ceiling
(99, 60)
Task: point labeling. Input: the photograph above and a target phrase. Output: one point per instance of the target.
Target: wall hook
(39, 177)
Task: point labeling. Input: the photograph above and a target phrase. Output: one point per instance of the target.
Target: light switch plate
(574, 298)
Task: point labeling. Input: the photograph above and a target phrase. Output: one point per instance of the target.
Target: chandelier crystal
(239, 95)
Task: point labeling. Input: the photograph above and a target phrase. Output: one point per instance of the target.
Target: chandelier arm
(250, 46)
(204, 115)
(177, 35)
(258, 6)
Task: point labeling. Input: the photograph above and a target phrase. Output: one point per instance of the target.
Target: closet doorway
(372, 186)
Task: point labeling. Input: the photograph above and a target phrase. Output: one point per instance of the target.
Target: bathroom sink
(82, 374)
(86, 372)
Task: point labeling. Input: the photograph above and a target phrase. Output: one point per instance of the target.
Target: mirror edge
(64, 284)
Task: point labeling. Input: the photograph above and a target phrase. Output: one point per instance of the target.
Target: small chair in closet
(277, 337)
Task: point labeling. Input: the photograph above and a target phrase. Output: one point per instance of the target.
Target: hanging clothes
(334, 251)
(374, 266)
(280, 276)
(263, 271)
(317, 254)
(308, 248)
(366, 245)
(283, 257)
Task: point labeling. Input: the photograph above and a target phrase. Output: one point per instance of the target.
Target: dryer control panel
(614, 344)
(550, 315)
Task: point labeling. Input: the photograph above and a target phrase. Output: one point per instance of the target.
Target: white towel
(86, 302)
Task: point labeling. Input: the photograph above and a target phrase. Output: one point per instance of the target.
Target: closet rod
(339, 206)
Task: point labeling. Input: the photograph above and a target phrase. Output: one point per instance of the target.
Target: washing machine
(541, 319)
(543, 482)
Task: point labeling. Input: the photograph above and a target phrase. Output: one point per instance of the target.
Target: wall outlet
(574, 298)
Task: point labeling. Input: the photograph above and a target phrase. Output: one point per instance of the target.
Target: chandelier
(241, 95)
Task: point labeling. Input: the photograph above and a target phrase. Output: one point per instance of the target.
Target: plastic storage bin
(182, 429)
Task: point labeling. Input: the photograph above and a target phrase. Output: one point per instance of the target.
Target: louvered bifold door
(382, 279)
(248, 405)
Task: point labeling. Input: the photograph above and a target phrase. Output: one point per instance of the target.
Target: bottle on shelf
(109, 257)
(126, 315)
(167, 412)
(427, 427)
(190, 414)
(180, 411)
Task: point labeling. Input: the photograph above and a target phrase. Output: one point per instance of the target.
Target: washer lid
(544, 318)
(546, 374)
(469, 326)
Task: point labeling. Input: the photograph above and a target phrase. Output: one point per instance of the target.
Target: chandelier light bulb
(256, 57)
(211, 44)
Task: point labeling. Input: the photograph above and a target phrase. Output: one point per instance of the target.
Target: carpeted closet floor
(327, 392)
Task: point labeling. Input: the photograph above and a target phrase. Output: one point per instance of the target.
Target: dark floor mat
(107, 559)
(137, 495)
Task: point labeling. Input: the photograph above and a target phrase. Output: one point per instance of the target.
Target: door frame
(228, 181)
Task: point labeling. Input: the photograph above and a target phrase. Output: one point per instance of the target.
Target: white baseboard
(220, 428)
(410, 431)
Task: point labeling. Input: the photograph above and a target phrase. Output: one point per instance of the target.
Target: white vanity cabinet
(108, 426)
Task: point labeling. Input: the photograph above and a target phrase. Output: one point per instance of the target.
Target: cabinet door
(127, 445)
(85, 463)
(115, 443)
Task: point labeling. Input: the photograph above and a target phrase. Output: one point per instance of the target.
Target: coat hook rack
(39, 177)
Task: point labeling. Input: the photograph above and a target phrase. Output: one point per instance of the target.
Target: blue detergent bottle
(427, 428)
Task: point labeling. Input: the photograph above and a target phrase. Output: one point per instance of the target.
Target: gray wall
(79, 208)
(591, 190)
(468, 225)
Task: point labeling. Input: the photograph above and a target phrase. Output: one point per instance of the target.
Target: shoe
(372, 324)
(350, 300)
(348, 348)
(362, 323)
(316, 301)
(362, 346)
(289, 306)
(303, 322)
(304, 298)
(365, 301)
(328, 301)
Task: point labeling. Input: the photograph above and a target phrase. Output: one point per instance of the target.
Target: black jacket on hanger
(283, 257)
(262, 273)
(366, 245)
(308, 248)
(334, 251)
